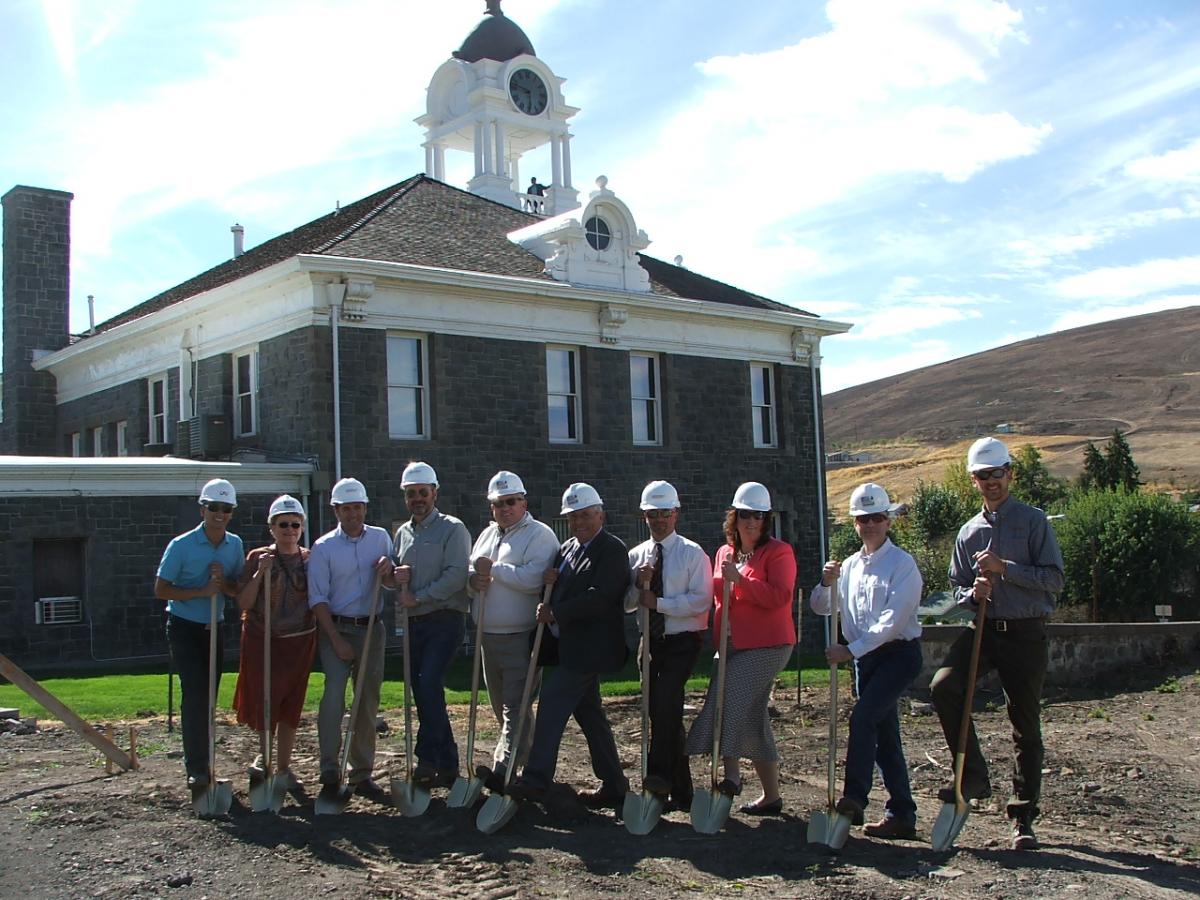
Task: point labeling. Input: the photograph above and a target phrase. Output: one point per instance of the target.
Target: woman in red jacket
(761, 571)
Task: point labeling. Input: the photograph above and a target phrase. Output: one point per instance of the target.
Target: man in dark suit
(586, 615)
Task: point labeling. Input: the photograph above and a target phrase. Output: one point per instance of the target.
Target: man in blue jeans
(431, 551)
(879, 590)
(198, 564)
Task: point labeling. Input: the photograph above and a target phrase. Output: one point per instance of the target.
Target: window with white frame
(76, 439)
(122, 438)
(644, 394)
(408, 376)
(762, 404)
(245, 393)
(98, 441)
(157, 426)
(562, 394)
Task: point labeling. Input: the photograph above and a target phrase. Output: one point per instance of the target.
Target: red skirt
(291, 661)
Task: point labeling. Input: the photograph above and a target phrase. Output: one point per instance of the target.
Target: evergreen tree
(1032, 481)
(1094, 476)
(1118, 459)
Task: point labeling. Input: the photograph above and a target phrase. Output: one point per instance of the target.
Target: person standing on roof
(431, 551)
(197, 565)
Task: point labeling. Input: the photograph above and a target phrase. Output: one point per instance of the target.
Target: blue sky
(949, 176)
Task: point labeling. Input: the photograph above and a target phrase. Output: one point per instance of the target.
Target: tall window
(762, 405)
(562, 394)
(98, 441)
(75, 439)
(407, 374)
(643, 389)
(157, 426)
(245, 393)
(122, 438)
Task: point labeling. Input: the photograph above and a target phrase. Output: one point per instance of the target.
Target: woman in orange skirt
(293, 634)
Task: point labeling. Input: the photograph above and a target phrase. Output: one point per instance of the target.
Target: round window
(598, 233)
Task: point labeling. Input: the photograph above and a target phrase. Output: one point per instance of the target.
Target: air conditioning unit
(59, 610)
(205, 437)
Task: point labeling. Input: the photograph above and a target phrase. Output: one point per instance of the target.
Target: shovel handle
(267, 736)
(526, 694)
(964, 727)
(722, 652)
(475, 665)
(833, 694)
(212, 690)
(644, 616)
(358, 677)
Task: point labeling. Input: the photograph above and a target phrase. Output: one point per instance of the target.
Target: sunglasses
(751, 514)
(871, 517)
(506, 501)
(219, 507)
(658, 513)
(989, 474)
(288, 525)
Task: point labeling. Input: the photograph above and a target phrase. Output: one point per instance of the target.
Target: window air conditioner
(59, 610)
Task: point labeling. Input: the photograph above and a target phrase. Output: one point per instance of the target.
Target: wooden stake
(108, 769)
(133, 757)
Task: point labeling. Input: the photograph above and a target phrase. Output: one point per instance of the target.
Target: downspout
(337, 293)
(814, 363)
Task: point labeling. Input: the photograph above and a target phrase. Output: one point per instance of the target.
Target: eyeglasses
(658, 513)
(289, 525)
(219, 507)
(989, 474)
(751, 514)
(506, 501)
(871, 517)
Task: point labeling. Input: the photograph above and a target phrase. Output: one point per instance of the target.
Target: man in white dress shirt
(672, 578)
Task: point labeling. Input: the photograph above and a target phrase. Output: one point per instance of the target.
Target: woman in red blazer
(761, 571)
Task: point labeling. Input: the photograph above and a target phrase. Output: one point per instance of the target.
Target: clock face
(528, 92)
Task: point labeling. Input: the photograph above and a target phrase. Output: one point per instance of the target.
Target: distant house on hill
(1006, 428)
(846, 458)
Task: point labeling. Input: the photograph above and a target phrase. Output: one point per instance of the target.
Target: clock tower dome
(496, 99)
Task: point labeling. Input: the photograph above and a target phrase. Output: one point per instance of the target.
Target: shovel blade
(495, 813)
(331, 801)
(412, 801)
(464, 792)
(950, 822)
(710, 811)
(266, 794)
(215, 801)
(829, 827)
(641, 812)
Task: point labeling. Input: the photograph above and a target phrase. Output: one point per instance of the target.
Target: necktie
(658, 622)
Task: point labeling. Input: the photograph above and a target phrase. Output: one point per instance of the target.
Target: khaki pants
(333, 701)
(505, 665)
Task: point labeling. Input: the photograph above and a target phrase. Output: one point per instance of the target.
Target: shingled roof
(425, 222)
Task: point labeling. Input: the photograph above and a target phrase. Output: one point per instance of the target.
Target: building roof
(421, 221)
(496, 37)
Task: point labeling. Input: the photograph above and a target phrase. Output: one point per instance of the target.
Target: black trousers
(189, 648)
(672, 661)
(1019, 656)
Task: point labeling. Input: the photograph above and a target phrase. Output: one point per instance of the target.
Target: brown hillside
(1140, 374)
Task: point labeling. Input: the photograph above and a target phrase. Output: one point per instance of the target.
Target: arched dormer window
(598, 233)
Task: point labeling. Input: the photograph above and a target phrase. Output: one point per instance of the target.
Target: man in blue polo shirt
(197, 565)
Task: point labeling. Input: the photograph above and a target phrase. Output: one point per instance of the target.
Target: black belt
(1005, 625)
(357, 621)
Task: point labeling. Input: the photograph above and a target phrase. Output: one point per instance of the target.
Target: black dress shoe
(969, 791)
(523, 790)
(729, 787)
(759, 808)
(492, 780)
(602, 798)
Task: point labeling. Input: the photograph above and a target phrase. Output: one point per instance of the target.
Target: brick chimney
(37, 259)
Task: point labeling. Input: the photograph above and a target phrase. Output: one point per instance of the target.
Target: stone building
(476, 329)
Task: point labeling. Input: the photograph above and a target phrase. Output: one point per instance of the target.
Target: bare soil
(1121, 818)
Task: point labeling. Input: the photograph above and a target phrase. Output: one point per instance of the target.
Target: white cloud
(1077, 318)
(1127, 282)
(1182, 165)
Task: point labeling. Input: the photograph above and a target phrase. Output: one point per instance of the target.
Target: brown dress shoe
(891, 828)
(602, 798)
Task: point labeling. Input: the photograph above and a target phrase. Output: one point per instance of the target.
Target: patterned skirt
(745, 723)
(291, 661)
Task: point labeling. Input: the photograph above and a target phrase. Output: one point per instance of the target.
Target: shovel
(642, 811)
(711, 809)
(499, 809)
(466, 790)
(828, 826)
(953, 816)
(411, 799)
(331, 801)
(267, 790)
(217, 797)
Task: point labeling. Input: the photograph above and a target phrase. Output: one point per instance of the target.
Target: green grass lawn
(112, 697)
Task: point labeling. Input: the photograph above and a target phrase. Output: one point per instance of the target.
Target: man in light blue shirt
(341, 575)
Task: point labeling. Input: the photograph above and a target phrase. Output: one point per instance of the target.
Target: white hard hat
(348, 490)
(218, 491)
(503, 484)
(752, 495)
(987, 453)
(579, 496)
(660, 495)
(418, 473)
(870, 498)
(285, 503)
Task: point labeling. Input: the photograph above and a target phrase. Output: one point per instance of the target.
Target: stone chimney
(37, 259)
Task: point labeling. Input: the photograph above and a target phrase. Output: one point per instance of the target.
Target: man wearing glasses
(431, 555)
(196, 566)
(673, 580)
(1007, 556)
(508, 560)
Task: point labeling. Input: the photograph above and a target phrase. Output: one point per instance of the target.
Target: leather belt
(1005, 625)
(357, 621)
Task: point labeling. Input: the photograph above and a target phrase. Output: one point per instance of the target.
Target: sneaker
(970, 792)
(1023, 837)
(890, 828)
(851, 809)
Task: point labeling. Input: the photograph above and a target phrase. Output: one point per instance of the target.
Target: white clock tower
(495, 98)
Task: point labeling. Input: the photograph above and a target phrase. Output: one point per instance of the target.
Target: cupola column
(501, 168)
(478, 149)
(566, 159)
(556, 160)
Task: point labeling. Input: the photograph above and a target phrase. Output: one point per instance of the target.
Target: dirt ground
(1121, 818)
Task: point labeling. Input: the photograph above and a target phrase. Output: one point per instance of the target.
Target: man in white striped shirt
(672, 578)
